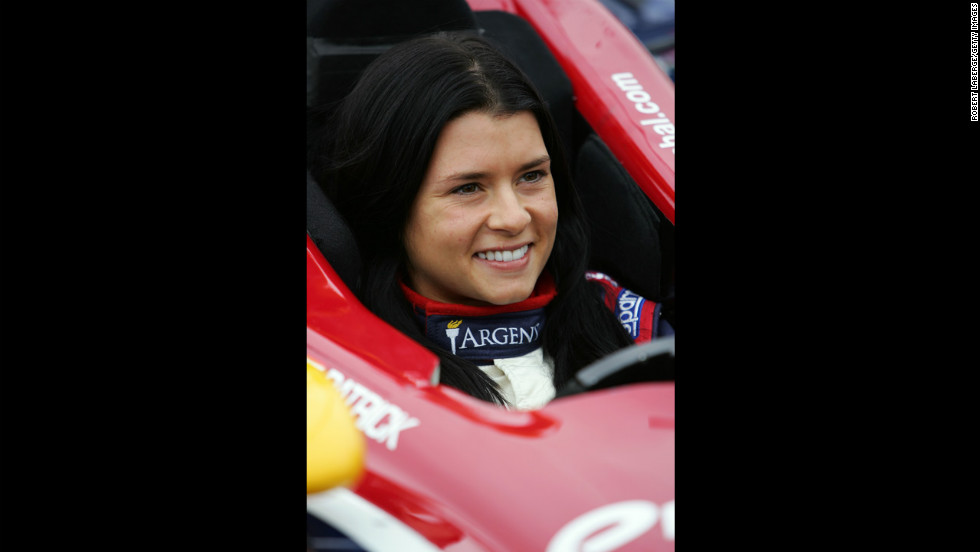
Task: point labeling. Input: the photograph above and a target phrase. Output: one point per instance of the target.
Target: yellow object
(334, 446)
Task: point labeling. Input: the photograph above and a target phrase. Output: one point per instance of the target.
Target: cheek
(547, 214)
(456, 227)
(435, 234)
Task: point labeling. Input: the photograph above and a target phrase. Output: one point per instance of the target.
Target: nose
(507, 211)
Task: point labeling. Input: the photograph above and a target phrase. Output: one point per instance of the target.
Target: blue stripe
(628, 308)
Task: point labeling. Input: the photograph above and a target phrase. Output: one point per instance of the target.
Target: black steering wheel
(644, 362)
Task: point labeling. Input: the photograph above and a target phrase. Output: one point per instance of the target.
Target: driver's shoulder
(640, 317)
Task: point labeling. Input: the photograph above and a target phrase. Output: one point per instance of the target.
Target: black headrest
(331, 234)
(624, 224)
(344, 36)
(383, 21)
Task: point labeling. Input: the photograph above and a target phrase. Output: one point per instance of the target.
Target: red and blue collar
(481, 334)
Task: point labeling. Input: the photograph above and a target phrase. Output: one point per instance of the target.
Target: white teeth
(503, 255)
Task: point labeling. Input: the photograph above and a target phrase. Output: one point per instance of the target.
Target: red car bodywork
(468, 475)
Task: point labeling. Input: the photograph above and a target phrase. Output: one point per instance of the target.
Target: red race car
(594, 468)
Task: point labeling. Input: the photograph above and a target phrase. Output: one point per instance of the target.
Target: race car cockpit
(631, 238)
(439, 469)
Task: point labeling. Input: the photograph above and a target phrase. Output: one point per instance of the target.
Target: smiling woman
(446, 164)
(483, 234)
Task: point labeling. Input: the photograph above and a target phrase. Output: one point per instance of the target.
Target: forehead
(479, 142)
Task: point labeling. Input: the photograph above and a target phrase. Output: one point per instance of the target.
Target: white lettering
(370, 420)
(628, 317)
(362, 405)
(630, 301)
(643, 104)
(638, 96)
(499, 336)
(370, 410)
(629, 311)
(648, 107)
(609, 527)
(468, 337)
(974, 61)
(346, 388)
(400, 421)
(625, 81)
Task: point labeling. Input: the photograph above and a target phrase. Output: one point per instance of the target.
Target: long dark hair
(373, 155)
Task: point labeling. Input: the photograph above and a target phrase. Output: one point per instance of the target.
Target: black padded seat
(331, 234)
(344, 36)
(365, 22)
(623, 222)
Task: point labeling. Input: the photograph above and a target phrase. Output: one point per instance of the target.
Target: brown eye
(533, 176)
(466, 189)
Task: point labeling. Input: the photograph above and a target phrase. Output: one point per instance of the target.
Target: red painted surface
(478, 477)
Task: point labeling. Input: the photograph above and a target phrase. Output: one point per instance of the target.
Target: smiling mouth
(502, 255)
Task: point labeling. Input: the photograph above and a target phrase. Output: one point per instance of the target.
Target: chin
(510, 298)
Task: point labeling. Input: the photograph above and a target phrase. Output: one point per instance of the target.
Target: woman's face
(482, 226)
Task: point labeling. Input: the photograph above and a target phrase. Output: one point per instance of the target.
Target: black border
(147, 149)
(153, 274)
(824, 228)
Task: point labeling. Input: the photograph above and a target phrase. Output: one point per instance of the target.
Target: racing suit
(505, 341)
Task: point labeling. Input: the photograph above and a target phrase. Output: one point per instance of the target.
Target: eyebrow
(480, 175)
